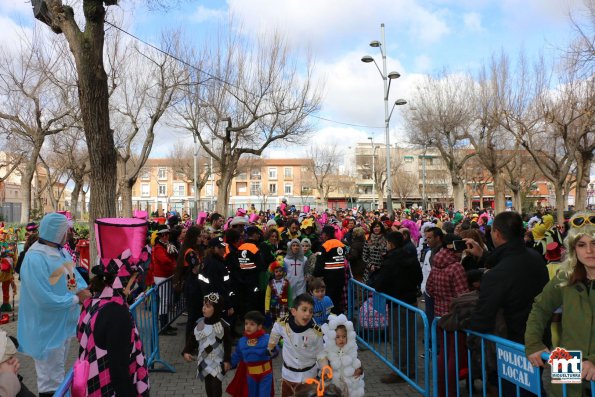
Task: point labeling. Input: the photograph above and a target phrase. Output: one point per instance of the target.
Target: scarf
(299, 328)
(254, 335)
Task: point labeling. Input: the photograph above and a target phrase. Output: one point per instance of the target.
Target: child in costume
(254, 376)
(276, 302)
(340, 349)
(212, 336)
(302, 343)
(7, 276)
(295, 262)
(322, 303)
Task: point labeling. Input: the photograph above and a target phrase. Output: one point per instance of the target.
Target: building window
(241, 187)
(145, 175)
(254, 188)
(179, 189)
(273, 173)
(209, 190)
(306, 190)
(242, 176)
(144, 189)
(408, 159)
(162, 173)
(272, 188)
(288, 172)
(288, 188)
(162, 190)
(255, 174)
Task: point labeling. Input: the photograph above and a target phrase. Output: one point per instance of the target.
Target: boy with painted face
(302, 344)
(254, 375)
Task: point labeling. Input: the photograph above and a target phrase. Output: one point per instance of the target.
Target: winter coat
(446, 281)
(355, 256)
(163, 263)
(578, 314)
(400, 275)
(517, 275)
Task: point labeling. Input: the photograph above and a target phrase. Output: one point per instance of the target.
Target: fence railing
(500, 364)
(152, 311)
(394, 331)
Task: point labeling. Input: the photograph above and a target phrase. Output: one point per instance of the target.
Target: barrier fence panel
(171, 303)
(500, 364)
(396, 332)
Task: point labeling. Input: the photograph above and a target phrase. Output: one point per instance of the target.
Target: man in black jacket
(400, 277)
(517, 275)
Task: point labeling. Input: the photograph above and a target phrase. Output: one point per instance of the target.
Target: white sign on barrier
(514, 366)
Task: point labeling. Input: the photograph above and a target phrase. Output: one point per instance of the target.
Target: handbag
(80, 378)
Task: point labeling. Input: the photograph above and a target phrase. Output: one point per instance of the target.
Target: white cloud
(330, 24)
(423, 63)
(472, 21)
(203, 14)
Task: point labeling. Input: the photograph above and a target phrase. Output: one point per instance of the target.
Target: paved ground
(184, 383)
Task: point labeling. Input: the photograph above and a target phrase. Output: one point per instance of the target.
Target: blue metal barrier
(64, 389)
(393, 331)
(502, 364)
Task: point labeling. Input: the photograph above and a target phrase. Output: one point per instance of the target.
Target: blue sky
(421, 36)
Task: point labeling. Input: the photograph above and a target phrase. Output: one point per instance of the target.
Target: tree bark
(74, 200)
(126, 197)
(517, 200)
(224, 185)
(27, 180)
(458, 191)
(499, 196)
(560, 203)
(584, 160)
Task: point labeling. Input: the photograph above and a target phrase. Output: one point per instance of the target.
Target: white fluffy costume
(344, 360)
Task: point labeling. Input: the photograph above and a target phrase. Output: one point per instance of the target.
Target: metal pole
(424, 176)
(373, 176)
(212, 180)
(196, 194)
(389, 198)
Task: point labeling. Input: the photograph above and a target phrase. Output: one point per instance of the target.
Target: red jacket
(162, 263)
(446, 281)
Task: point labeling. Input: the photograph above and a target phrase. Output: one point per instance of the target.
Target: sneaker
(392, 378)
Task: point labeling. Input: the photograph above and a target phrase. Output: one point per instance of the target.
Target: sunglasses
(580, 221)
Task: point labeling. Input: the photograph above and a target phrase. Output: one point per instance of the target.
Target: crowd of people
(287, 273)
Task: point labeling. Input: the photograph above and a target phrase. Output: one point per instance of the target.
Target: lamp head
(400, 102)
(367, 59)
(375, 43)
(394, 75)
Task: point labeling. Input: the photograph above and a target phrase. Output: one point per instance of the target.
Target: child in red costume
(254, 376)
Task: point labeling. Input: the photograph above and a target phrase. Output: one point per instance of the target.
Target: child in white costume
(340, 349)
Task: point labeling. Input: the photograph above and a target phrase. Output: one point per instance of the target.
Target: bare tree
(57, 174)
(12, 156)
(442, 120)
(181, 157)
(323, 164)
(37, 90)
(521, 173)
(254, 97)
(552, 126)
(494, 145)
(405, 185)
(148, 87)
(477, 179)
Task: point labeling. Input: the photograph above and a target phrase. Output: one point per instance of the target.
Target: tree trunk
(27, 179)
(458, 191)
(560, 203)
(74, 199)
(584, 160)
(517, 200)
(87, 49)
(499, 196)
(481, 197)
(126, 197)
(84, 204)
(224, 185)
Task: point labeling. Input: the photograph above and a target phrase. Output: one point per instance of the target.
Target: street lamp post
(373, 173)
(387, 79)
(195, 180)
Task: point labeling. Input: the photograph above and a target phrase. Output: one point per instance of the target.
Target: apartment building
(262, 182)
